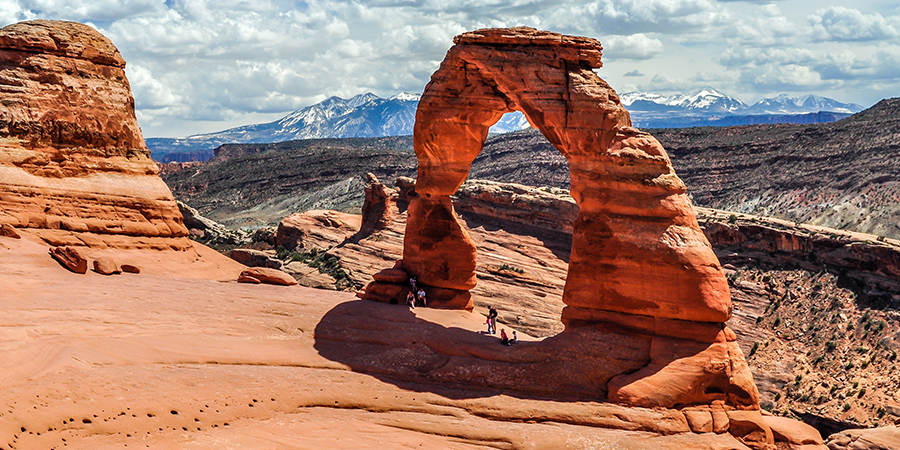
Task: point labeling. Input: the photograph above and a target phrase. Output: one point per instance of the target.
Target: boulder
(267, 276)
(751, 429)
(880, 438)
(9, 231)
(72, 157)
(130, 268)
(71, 258)
(255, 258)
(792, 431)
(106, 266)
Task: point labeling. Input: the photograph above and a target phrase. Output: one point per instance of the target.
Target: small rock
(9, 231)
(130, 268)
(106, 266)
(71, 258)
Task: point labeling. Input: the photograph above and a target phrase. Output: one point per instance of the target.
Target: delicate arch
(637, 247)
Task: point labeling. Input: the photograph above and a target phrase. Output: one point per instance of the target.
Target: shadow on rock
(393, 345)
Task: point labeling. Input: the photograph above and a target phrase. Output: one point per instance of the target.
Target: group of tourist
(492, 328)
(417, 294)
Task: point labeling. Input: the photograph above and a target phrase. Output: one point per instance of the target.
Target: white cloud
(635, 46)
(196, 62)
(837, 23)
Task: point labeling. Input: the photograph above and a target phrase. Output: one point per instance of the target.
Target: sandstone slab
(7, 230)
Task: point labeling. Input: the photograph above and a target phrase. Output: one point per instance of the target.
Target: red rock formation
(72, 159)
(639, 258)
(266, 275)
(378, 208)
(71, 258)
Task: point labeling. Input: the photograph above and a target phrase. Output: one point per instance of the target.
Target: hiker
(515, 338)
(412, 283)
(411, 300)
(490, 329)
(504, 339)
(492, 316)
(421, 295)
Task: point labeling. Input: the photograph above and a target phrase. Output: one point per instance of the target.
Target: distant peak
(406, 97)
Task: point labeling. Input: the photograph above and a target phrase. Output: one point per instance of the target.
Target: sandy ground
(168, 359)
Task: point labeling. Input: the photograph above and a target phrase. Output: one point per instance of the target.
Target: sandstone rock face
(72, 158)
(71, 258)
(639, 259)
(266, 275)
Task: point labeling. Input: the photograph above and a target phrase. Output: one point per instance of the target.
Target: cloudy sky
(205, 65)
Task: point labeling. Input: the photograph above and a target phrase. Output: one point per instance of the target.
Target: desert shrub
(777, 396)
(830, 346)
(510, 269)
(861, 393)
(846, 407)
(732, 219)
(753, 349)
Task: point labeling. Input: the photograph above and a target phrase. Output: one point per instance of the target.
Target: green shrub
(830, 346)
(753, 350)
(732, 218)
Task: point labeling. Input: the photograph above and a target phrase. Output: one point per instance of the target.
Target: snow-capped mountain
(709, 107)
(784, 104)
(706, 99)
(368, 115)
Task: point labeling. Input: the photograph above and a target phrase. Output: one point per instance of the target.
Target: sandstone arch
(637, 247)
(640, 266)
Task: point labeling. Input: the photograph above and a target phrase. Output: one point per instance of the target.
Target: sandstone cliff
(73, 164)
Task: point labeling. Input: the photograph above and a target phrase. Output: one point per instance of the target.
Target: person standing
(492, 317)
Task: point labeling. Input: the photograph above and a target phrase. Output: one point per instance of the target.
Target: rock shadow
(390, 343)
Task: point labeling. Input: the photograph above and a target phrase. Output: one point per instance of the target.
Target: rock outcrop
(266, 275)
(73, 163)
(640, 267)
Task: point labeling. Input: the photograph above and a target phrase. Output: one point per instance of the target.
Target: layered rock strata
(73, 163)
(639, 260)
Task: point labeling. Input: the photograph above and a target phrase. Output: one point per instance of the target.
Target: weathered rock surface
(638, 255)
(208, 231)
(881, 438)
(296, 228)
(267, 276)
(71, 258)
(72, 159)
(378, 209)
(255, 258)
(106, 266)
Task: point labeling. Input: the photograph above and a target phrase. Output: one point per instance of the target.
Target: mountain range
(368, 115)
